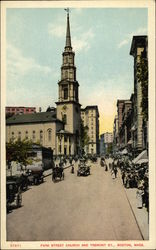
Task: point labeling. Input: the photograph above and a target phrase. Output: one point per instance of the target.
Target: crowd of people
(133, 176)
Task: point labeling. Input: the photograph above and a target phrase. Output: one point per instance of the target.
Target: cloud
(56, 30)
(128, 38)
(84, 41)
(19, 65)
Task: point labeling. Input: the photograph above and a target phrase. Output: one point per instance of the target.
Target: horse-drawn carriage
(57, 174)
(83, 168)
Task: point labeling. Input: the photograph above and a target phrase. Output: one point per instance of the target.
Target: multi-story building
(106, 140)
(138, 49)
(90, 118)
(102, 145)
(124, 132)
(115, 134)
(120, 104)
(19, 110)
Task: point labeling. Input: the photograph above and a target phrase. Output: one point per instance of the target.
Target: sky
(101, 39)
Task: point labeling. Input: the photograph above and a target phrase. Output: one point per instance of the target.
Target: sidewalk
(141, 215)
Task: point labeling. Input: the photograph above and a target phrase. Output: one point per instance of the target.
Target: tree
(84, 138)
(142, 77)
(17, 150)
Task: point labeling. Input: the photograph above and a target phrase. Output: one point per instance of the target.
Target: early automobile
(20, 179)
(35, 174)
(57, 173)
(35, 177)
(13, 194)
(83, 170)
(93, 158)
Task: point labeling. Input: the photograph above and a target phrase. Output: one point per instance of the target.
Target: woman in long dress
(113, 174)
(139, 195)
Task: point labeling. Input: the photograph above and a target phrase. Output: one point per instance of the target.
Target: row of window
(33, 135)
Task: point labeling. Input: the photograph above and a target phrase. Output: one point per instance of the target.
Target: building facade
(40, 128)
(132, 126)
(124, 129)
(90, 118)
(106, 143)
(115, 135)
(138, 49)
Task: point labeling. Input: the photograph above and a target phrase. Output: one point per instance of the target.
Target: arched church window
(19, 135)
(64, 118)
(65, 93)
(49, 135)
(12, 135)
(33, 135)
(76, 94)
(41, 136)
(66, 74)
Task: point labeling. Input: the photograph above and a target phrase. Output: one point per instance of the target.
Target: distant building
(115, 134)
(124, 131)
(19, 110)
(90, 118)
(106, 140)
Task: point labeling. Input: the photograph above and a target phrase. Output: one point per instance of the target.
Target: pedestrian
(115, 172)
(110, 166)
(123, 177)
(70, 160)
(139, 196)
(106, 168)
(72, 169)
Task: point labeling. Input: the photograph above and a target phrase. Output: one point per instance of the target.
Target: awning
(130, 142)
(124, 152)
(142, 161)
(133, 128)
(142, 155)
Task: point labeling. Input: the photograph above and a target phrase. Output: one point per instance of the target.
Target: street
(77, 208)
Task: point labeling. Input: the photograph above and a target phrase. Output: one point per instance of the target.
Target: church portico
(65, 142)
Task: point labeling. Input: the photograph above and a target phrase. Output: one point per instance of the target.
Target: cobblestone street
(77, 208)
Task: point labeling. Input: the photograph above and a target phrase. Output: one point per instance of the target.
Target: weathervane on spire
(67, 10)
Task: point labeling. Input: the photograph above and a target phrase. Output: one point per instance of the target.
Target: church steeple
(68, 85)
(68, 106)
(68, 37)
